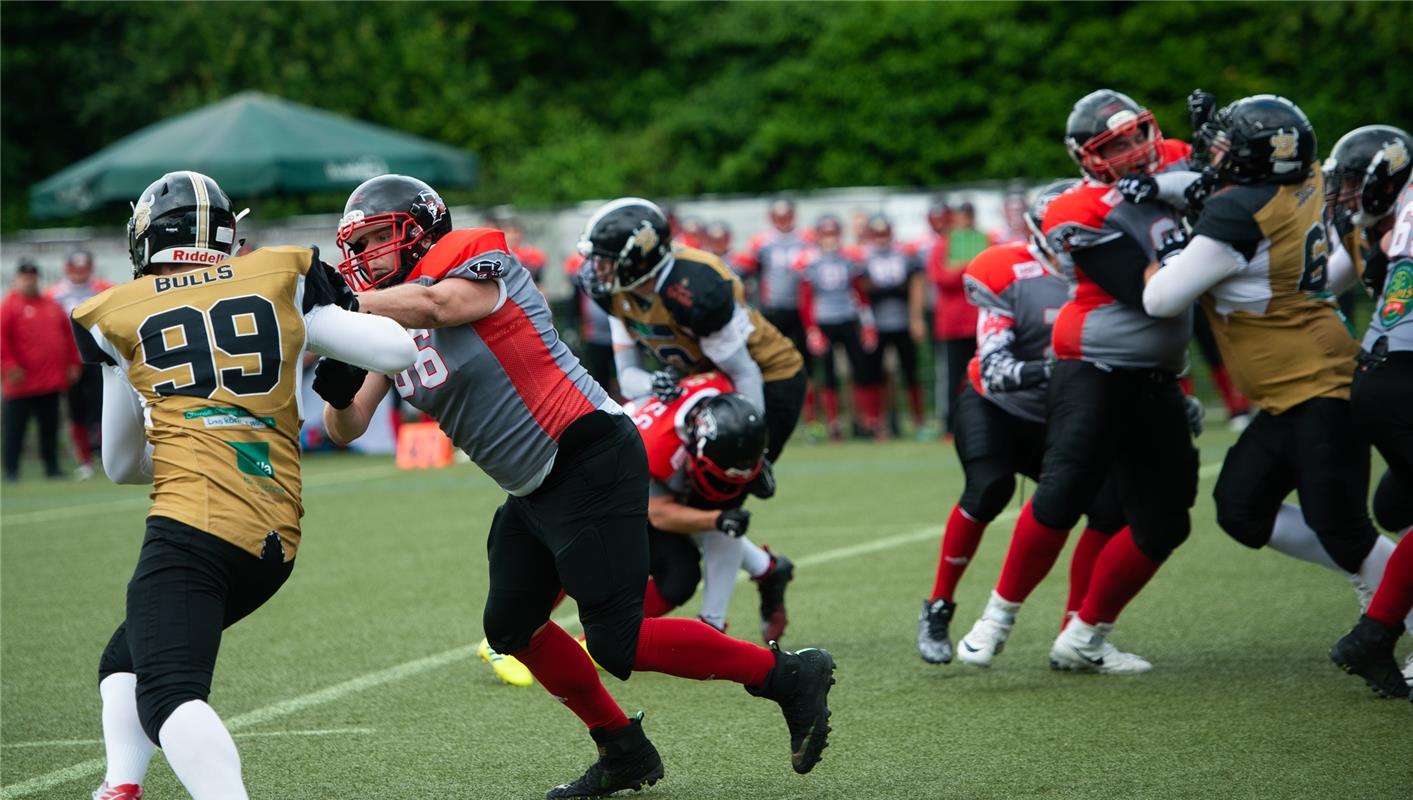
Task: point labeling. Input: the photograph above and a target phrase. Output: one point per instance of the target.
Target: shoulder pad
(474, 253)
(698, 295)
(1174, 154)
(1229, 215)
(995, 267)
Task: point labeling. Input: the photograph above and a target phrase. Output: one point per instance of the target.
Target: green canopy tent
(251, 144)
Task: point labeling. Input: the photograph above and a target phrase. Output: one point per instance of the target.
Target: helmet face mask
(625, 244)
(410, 210)
(182, 218)
(725, 447)
(1366, 171)
(1110, 136)
(1035, 215)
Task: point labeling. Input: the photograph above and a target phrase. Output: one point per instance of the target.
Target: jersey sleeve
(319, 288)
(699, 298)
(89, 350)
(477, 254)
(1229, 216)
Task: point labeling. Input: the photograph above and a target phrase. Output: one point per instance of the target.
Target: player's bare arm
(666, 514)
(347, 424)
(444, 304)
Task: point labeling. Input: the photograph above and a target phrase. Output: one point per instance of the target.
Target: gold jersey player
(1259, 260)
(201, 361)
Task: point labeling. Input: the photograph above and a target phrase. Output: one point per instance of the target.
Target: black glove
(665, 386)
(763, 484)
(1173, 242)
(1138, 188)
(337, 382)
(326, 286)
(1200, 105)
(733, 522)
(1375, 271)
(1196, 412)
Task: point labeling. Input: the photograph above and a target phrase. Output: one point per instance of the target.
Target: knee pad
(611, 631)
(678, 584)
(158, 697)
(1241, 523)
(508, 628)
(1159, 537)
(116, 656)
(988, 488)
(1393, 503)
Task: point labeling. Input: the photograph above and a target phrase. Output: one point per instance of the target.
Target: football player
(201, 362)
(835, 312)
(704, 449)
(1113, 405)
(86, 394)
(493, 372)
(1001, 424)
(1371, 203)
(687, 309)
(897, 294)
(1258, 254)
(771, 256)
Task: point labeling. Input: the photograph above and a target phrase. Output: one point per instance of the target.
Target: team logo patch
(1284, 145)
(253, 458)
(680, 293)
(219, 417)
(706, 428)
(1396, 154)
(1398, 294)
(645, 238)
(142, 215)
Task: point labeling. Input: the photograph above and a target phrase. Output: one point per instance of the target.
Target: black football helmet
(626, 242)
(1099, 118)
(417, 214)
(1366, 171)
(1035, 215)
(725, 446)
(182, 218)
(1260, 139)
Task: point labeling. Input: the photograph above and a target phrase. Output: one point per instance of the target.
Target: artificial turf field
(358, 678)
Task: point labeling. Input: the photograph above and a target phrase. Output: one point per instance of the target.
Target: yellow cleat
(584, 643)
(507, 668)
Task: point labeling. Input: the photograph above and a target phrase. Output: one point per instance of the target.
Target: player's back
(215, 357)
(663, 425)
(1282, 342)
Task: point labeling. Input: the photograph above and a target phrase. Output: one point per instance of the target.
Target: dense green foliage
(570, 101)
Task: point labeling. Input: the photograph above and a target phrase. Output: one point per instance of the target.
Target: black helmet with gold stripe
(182, 218)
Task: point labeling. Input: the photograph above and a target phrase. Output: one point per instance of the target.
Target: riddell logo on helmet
(180, 256)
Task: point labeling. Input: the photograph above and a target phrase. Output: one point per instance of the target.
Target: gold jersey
(699, 297)
(1283, 342)
(214, 354)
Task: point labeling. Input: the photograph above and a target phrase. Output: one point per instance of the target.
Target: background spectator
(954, 326)
(38, 360)
(86, 394)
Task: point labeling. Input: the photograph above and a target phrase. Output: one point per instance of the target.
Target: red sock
(1034, 550)
(915, 403)
(1186, 383)
(654, 604)
(861, 406)
(690, 648)
(959, 543)
(809, 403)
(1394, 597)
(559, 598)
(1234, 400)
(831, 405)
(1086, 552)
(1120, 573)
(564, 669)
(82, 450)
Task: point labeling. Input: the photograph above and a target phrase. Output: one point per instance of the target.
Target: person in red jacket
(954, 323)
(38, 361)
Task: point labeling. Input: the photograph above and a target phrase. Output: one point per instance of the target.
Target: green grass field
(358, 679)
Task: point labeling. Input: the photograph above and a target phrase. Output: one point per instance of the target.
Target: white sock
(1001, 609)
(127, 746)
(754, 560)
(1371, 571)
(1292, 536)
(201, 752)
(721, 558)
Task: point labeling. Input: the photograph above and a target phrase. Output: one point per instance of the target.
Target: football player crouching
(705, 448)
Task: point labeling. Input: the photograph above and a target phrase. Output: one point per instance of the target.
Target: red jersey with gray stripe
(1093, 326)
(1018, 300)
(503, 388)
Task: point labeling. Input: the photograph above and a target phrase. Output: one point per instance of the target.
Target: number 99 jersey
(214, 355)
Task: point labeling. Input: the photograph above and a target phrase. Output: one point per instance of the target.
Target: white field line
(568, 621)
(248, 735)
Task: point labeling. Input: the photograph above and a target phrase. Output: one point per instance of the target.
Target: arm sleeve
(90, 352)
(127, 455)
(1204, 263)
(374, 343)
(633, 380)
(1228, 216)
(1117, 265)
(727, 349)
(1340, 271)
(1172, 186)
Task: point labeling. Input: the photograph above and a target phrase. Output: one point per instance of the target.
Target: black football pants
(846, 335)
(1382, 402)
(584, 529)
(17, 412)
(188, 587)
(784, 399)
(1129, 423)
(787, 321)
(1315, 450)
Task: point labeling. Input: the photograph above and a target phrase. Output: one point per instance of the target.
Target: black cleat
(934, 638)
(773, 618)
(800, 683)
(1367, 651)
(627, 760)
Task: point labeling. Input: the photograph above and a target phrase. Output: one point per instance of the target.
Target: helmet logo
(142, 215)
(1396, 154)
(644, 238)
(434, 205)
(706, 428)
(1124, 121)
(1284, 145)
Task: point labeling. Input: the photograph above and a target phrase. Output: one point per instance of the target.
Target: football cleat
(934, 641)
(627, 760)
(507, 668)
(986, 639)
(1367, 651)
(123, 791)
(771, 585)
(1082, 647)
(800, 683)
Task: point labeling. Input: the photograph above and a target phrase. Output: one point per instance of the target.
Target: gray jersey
(775, 255)
(1392, 310)
(1018, 300)
(503, 388)
(890, 271)
(831, 276)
